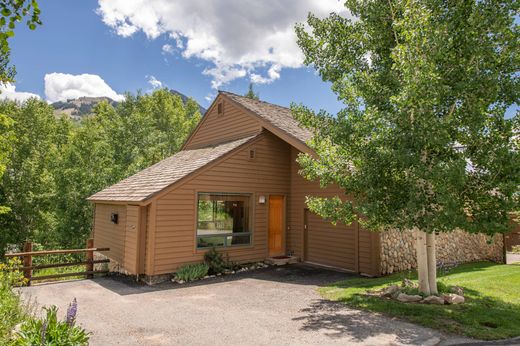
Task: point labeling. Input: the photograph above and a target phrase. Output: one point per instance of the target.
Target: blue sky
(75, 40)
(108, 47)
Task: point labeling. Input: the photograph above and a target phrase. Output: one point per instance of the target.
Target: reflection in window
(223, 220)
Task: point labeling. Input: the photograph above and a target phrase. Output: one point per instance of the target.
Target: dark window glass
(223, 220)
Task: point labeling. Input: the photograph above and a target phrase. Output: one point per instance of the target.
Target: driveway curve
(276, 305)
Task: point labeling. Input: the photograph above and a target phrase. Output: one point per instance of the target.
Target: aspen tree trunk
(422, 262)
(432, 262)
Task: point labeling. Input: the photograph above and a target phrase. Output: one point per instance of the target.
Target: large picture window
(223, 220)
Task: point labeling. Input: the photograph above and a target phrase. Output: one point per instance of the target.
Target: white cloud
(168, 49)
(272, 74)
(210, 97)
(154, 82)
(63, 86)
(234, 37)
(8, 92)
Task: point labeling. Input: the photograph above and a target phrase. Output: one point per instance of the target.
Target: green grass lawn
(491, 310)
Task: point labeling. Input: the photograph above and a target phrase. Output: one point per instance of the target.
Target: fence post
(27, 262)
(90, 258)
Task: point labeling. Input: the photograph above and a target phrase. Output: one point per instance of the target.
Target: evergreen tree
(251, 93)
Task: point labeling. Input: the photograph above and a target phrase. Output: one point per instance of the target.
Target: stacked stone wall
(398, 249)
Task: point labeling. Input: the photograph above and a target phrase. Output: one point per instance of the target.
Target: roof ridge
(254, 100)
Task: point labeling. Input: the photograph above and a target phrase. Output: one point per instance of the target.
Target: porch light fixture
(261, 199)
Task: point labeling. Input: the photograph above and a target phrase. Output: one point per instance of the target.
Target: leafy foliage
(190, 272)
(12, 311)
(6, 140)
(51, 331)
(215, 261)
(11, 12)
(55, 164)
(423, 141)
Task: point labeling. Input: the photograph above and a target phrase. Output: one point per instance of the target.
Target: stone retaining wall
(398, 249)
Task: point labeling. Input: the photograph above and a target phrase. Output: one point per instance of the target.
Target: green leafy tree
(54, 164)
(27, 187)
(251, 93)
(423, 142)
(11, 12)
(6, 146)
(112, 144)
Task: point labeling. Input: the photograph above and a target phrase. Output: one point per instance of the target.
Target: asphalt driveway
(272, 306)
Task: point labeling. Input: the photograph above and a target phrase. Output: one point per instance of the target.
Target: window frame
(225, 235)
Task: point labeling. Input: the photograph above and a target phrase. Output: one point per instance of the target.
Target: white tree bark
(422, 262)
(432, 262)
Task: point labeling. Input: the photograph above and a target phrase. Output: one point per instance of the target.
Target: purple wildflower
(43, 332)
(71, 312)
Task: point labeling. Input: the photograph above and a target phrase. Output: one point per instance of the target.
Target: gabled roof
(146, 183)
(279, 117)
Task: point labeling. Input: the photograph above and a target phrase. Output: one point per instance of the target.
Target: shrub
(12, 311)
(215, 261)
(51, 331)
(190, 272)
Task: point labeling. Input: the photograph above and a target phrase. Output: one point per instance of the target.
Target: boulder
(433, 300)
(409, 283)
(452, 298)
(407, 298)
(390, 291)
(457, 290)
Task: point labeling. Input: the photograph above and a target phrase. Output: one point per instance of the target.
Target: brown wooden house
(235, 185)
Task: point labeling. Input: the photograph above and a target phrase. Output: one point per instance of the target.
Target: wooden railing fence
(28, 267)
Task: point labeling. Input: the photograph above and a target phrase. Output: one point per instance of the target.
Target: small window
(223, 220)
(252, 154)
(219, 108)
(114, 218)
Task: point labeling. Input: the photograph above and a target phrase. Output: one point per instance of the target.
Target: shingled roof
(144, 184)
(278, 116)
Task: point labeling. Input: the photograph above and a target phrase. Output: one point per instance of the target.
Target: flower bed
(237, 269)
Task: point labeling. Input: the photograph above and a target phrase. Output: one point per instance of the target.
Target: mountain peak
(82, 106)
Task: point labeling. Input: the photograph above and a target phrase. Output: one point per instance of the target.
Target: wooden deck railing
(28, 267)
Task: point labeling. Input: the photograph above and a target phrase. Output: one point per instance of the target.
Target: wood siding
(131, 238)
(108, 234)
(359, 248)
(215, 128)
(328, 244)
(175, 216)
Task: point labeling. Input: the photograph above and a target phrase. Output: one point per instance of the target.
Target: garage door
(329, 245)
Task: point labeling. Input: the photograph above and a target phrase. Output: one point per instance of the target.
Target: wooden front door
(276, 225)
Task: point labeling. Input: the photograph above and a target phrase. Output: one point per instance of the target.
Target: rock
(409, 283)
(16, 330)
(390, 291)
(373, 293)
(181, 281)
(457, 290)
(206, 277)
(407, 298)
(452, 298)
(433, 300)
